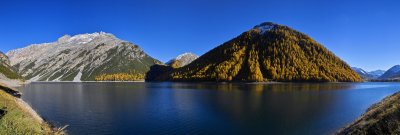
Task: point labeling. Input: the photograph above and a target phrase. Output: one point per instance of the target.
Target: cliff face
(382, 118)
(83, 57)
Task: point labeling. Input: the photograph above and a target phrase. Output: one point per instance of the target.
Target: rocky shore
(382, 118)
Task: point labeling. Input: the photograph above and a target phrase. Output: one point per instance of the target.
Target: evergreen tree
(277, 54)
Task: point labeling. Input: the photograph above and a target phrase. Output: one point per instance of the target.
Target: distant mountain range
(182, 60)
(267, 52)
(377, 73)
(85, 57)
(368, 75)
(392, 74)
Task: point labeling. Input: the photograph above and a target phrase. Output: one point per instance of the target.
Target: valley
(269, 75)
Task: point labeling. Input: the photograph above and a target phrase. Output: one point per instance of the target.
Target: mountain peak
(186, 54)
(359, 70)
(81, 57)
(377, 73)
(64, 38)
(392, 73)
(266, 26)
(85, 38)
(183, 60)
(395, 68)
(282, 55)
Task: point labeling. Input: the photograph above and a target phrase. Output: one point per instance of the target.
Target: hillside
(85, 57)
(268, 52)
(382, 118)
(17, 117)
(376, 73)
(182, 60)
(372, 75)
(364, 74)
(6, 71)
(391, 74)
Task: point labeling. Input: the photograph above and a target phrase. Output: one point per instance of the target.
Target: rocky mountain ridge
(81, 57)
(182, 60)
(372, 75)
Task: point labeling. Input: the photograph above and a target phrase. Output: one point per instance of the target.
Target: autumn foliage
(120, 77)
(280, 54)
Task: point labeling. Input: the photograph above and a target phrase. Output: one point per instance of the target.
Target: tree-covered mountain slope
(268, 52)
(84, 57)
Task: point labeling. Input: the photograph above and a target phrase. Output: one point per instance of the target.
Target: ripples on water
(204, 108)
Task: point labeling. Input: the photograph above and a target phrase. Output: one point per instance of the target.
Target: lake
(203, 108)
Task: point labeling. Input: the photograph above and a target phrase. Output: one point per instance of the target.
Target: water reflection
(260, 87)
(203, 108)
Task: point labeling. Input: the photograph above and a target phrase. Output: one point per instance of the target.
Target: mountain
(6, 70)
(392, 74)
(364, 74)
(4, 59)
(182, 60)
(267, 52)
(377, 73)
(85, 57)
(8, 75)
(368, 75)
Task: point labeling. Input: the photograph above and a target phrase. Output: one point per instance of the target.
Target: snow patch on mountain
(78, 77)
(377, 73)
(33, 79)
(264, 27)
(183, 59)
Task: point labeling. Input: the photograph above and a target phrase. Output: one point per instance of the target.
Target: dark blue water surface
(203, 108)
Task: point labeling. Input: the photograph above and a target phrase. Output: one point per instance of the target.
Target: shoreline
(380, 118)
(244, 82)
(29, 109)
(16, 105)
(345, 130)
(80, 81)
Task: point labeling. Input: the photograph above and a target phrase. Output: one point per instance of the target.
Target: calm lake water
(203, 108)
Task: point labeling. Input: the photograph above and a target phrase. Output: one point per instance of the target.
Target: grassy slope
(18, 120)
(119, 62)
(381, 118)
(9, 73)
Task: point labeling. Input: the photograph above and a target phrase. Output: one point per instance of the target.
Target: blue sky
(363, 33)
